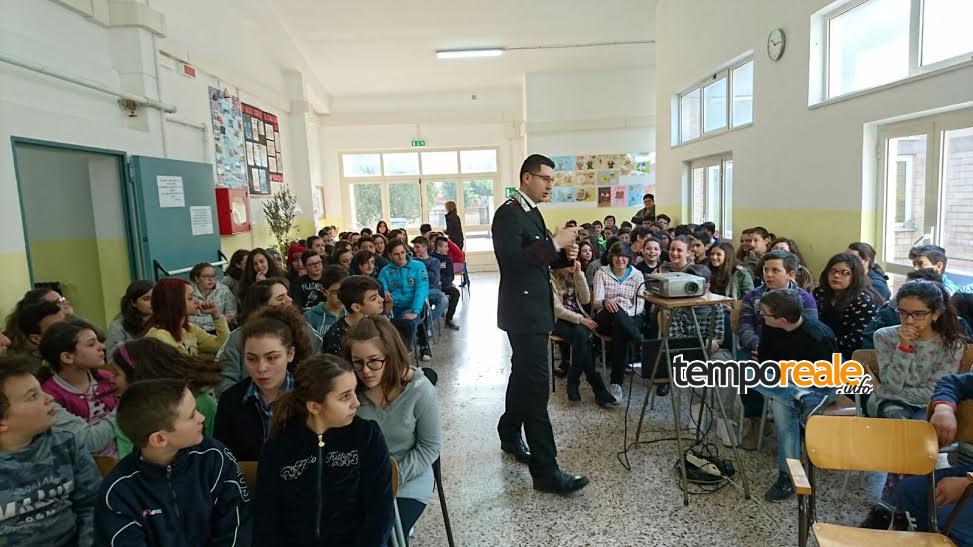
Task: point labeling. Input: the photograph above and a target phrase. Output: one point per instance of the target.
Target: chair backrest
(872, 444)
(458, 267)
(735, 315)
(967, 361)
(105, 464)
(869, 359)
(964, 422)
(395, 477)
(249, 470)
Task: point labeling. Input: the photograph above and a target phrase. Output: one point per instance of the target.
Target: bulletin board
(264, 161)
(602, 180)
(230, 158)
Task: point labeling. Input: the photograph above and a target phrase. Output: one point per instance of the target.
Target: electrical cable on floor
(625, 445)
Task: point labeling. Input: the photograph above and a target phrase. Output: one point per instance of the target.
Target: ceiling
(388, 47)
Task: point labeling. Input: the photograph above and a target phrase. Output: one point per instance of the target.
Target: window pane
(714, 106)
(478, 202)
(868, 46)
(946, 29)
(957, 232)
(689, 116)
(366, 205)
(905, 193)
(404, 205)
(439, 163)
(712, 193)
(742, 86)
(438, 192)
(478, 161)
(698, 196)
(406, 163)
(362, 165)
(726, 227)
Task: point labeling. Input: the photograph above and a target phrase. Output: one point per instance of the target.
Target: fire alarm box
(233, 209)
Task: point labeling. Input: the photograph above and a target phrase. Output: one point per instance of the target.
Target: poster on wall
(228, 138)
(603, 180)
(264, 162)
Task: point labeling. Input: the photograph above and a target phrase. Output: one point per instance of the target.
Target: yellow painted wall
(16, 280)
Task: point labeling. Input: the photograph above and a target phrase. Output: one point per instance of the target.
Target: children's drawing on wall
(597, 178)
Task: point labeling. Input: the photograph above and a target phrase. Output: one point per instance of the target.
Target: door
(175, 208)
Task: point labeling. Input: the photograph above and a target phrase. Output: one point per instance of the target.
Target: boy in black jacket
(178, 488)
(446, 275)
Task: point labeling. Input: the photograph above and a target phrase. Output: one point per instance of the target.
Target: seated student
(408, 283)
(308, 290)
(616, 303)
(679, 256)
(325, 313)
(571, 294)
(33, 320)
(638, 236)
(913, 356)
(758, 244)
(149, 359)
(315, 243)
(609, 222)
(342, 257)
(206, 289)
(403, 402)
(846, 301)
(260, 265)
(78, 382)
(243, 415)
(651, 254)
(729, 278)
(779, 269)
(368, 244)
(363, 263)
(586, 255)
(136, 310)
(380, 242)
(625, 234)
(207, 502)
(446, 276)
(325, 475)
(172, 305)
(362, 298)
(49, 480)
(878, 277)
(789, 334)
(663, 221)
(18, 340)
(700, 244)
(932, 256)
(295, 267)
(803, 277)
(437, 298)
(963, 304)
(596, 265)
(269, 294)
(234, 270)
(913, 492)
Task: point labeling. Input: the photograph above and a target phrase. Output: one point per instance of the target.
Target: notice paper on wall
(171, 193)
(201, 219)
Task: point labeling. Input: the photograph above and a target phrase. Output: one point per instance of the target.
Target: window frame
(723, 210)
(385, 181)
(721, 72)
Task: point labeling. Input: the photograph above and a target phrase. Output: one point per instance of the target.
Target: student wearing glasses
(846, 300)
(307, 291)
(205, 288)
(913, 356)
(403, 402)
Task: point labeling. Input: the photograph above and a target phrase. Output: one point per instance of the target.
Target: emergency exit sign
(418, 143)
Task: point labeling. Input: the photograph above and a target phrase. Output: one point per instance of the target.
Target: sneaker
(782, 490)
(813, 403)
(452, 326)
(616, 392)
(605, 399)
(425, 355)
(561, 371)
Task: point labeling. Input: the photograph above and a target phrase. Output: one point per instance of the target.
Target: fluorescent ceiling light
(468, 53)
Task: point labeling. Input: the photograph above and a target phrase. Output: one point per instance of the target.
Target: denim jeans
(413, 325)
(441, 302)
(913, 496)
(786, 409)
(897, 410)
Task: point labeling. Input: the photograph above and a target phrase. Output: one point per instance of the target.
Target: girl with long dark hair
(136, 309)
(729, 277)
(234, 270)
(880, 281)
(260, 265)
(846, 301)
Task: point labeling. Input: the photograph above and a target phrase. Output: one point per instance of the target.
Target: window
(711, 188)
(409, 188)
(927, 187)
(722, 101)
(868, 43)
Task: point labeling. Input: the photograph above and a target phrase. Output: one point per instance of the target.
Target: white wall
(798, 171)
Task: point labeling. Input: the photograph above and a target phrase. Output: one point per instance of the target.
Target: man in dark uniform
(526, 251)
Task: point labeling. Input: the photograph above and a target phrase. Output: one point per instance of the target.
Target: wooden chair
(864, 444)
(249, 471)
(554, 340)
(967, 361)
(398, 535)
(105, 464)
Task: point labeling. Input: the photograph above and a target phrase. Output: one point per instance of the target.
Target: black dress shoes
(560, 482)
(518, 448)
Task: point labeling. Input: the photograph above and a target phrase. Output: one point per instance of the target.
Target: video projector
(675, 285)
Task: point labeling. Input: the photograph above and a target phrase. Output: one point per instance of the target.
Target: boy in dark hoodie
(446, 275)
(208, 501)
(48, 485)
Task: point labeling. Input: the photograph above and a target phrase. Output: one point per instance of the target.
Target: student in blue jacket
(207, 503)
(408, 282)
(325, 475)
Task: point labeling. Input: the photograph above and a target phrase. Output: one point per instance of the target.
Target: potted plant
(281, 210)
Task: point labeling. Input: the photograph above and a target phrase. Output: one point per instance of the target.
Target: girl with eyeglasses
(403, 402)
(914, 355)
(324, 477)
(205, 288)
(846, 300)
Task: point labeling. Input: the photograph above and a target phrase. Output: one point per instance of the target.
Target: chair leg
(438, 474)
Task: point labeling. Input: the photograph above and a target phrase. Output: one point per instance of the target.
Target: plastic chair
(880, 445)
(437, 470)
(398, 535)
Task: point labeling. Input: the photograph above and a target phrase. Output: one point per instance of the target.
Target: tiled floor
(490, 498)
